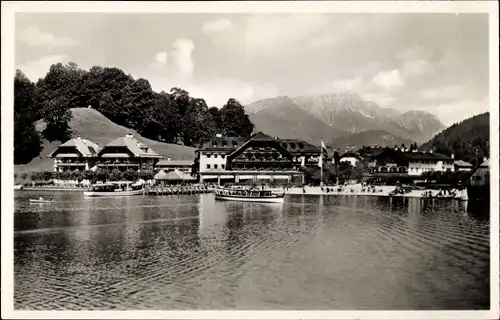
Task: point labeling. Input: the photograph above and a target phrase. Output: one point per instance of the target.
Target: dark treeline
(467, 140)
(173, 117)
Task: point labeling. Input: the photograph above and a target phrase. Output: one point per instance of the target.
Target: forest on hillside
(170, 117)
(467, 140)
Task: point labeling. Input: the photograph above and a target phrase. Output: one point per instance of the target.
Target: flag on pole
(324, 150)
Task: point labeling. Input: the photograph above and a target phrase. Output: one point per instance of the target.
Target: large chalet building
(123, 153)
(263, 158)
(127, 153)
(75, 154)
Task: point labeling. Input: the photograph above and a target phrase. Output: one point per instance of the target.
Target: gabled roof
(485, 164)
(462, 163)
(296, 145)
(223, 144)
(85, 147)
(134, 146)
(351, 154)
(261, 136)
(426, 156)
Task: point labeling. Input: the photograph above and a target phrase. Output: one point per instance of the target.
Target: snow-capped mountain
(341, 114)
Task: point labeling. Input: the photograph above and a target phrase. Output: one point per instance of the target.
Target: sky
(435, 62)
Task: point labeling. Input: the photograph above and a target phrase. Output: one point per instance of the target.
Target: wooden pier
(176, 190)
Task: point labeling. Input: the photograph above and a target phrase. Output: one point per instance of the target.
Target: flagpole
(321, 168)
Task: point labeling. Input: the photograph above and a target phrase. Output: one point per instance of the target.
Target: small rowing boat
(41, 200)
(248, 195)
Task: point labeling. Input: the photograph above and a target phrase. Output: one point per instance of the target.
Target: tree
(146, 175)
(130, 175)
(115, 175)
(27, 144)
(234, 121)
(102, 175)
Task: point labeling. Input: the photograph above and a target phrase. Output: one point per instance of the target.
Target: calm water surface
(190, 252)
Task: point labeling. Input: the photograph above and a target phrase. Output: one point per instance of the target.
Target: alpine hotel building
(260, 158)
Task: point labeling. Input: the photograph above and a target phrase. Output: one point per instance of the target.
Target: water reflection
(312, 252)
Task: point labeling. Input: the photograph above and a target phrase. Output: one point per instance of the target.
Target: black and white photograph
(309, 159)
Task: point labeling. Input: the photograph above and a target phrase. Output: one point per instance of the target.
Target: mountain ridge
(344, 113)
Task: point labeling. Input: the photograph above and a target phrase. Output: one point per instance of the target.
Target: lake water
(191, 252)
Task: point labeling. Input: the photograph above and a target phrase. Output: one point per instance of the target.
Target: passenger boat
(248, 195)
(18, 187)
(112, 190)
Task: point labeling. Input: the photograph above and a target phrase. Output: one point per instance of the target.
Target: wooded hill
(174, 117)
(463, 139)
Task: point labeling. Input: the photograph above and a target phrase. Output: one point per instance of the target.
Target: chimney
(218, 135)
(129, 135)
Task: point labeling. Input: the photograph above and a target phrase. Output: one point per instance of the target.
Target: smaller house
(352, 158)
(420, 162)
(171, 165)
(461, 165)
(76, 154)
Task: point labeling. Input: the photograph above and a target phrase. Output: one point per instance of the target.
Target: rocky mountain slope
(369, 138)
(339, 114)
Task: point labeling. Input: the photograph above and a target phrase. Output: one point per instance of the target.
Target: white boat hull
(40, 201)
(18, 187)
(112, 193)
(251, 199)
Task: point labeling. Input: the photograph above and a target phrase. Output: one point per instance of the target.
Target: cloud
(159, 61)
(216, 26)
(458, 110)
(34, 37)
(348, 84)
(268, 34)
(388, 79)
(382, 99)
(413, 53)
(416, 68)
(183, 57)
(38, 68)
(444, 93)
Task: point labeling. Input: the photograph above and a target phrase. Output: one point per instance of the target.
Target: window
(301, 145)
(209, 155)
(292, 145)
(223, 166)
(208, 166)
(215, 155)
(215, 166)
(222, 156)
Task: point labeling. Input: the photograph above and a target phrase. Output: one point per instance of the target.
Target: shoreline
(352, 190)
(382, 191)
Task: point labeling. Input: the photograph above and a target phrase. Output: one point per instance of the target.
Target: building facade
(260, 158)
(126, 153)
(420, 162)
(76, 154)
(171, 165)
(411, 163)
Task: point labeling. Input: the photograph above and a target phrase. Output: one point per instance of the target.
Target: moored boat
(112, 190)
(248, 195)
(18, 187)
(40, 200)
